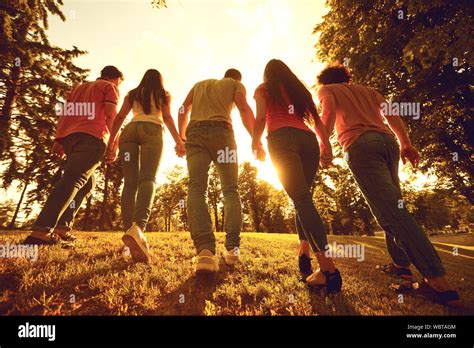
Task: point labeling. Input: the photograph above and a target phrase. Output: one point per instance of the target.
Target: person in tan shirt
(373, 154)
(210, 139)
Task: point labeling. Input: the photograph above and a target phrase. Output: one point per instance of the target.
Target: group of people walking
(298, 143)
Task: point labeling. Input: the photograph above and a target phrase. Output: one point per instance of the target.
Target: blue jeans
(84, 154)
(373, 160)
(141, 146)
(206, 144)
(295, 155)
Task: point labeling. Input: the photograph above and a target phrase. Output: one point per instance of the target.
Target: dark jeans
(141, 146)
(206, 144)
(295, 155)
(84, 154)
(373, 160)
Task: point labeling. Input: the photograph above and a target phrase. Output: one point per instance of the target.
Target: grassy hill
(97, 279)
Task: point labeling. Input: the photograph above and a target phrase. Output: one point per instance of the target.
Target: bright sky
(193, 40)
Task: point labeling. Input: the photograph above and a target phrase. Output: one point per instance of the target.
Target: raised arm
(183, 114)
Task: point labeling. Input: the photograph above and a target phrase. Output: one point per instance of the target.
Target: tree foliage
(413, 51)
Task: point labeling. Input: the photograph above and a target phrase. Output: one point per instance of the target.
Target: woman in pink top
(286, 107)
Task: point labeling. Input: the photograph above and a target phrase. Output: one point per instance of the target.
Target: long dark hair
(278, 75)
(150, 85)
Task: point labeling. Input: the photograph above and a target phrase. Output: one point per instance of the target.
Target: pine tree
(34, 76)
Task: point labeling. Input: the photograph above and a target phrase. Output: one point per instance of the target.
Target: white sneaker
(231, 257)
(135, 240)
(207, 263)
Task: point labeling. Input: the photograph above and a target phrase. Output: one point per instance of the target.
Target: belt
(210, 123)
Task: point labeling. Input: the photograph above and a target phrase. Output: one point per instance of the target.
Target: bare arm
(407, 151)
(325, 127)
(117, 119)
(322, 133)
(169, 122)
(246, 113)
(260, 120)
(183, 114)
(396, 124)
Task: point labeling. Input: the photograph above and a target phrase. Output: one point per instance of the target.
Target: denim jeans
(206, 144)
(295, 155)
(141, 146)
(373, 160)
(84, 154)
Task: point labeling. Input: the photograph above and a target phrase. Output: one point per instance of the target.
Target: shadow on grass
(77, 284)
(336, 304)
(192, 296)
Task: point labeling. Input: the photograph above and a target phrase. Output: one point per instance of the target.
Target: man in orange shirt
(82, 134)
(373, 154)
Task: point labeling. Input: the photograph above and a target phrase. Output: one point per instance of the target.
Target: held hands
(408, 152)
(180, 149)
(57, 149)
(111, 155)
(326, 156)
(259, 152)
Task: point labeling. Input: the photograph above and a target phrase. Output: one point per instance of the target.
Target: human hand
(57, 149)
(180, 149)
(409, 153)
(326, 156)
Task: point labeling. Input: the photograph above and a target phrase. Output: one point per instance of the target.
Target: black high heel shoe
(304, 263)
(333, 282)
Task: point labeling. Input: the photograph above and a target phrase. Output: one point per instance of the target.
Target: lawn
(97, 278)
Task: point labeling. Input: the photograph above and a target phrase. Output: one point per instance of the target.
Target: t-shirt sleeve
(323, 92)
(379, 99)
(260, 90)
(240, 88)
(111, 94)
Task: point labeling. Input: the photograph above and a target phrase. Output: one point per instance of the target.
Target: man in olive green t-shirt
(210, 138)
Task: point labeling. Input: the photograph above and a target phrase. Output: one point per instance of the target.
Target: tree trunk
(7, 108)
(11, 225)
(223, 219)
(105, 200)
(216, 217)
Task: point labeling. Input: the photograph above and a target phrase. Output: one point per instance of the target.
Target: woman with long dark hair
(286, 107)
(141, 145)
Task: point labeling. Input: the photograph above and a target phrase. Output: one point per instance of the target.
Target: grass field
(96, 278)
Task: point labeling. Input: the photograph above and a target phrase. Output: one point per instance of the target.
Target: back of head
(334, 73)
(233, 74)
(278, 75)
(111, 72)
(150, 86)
